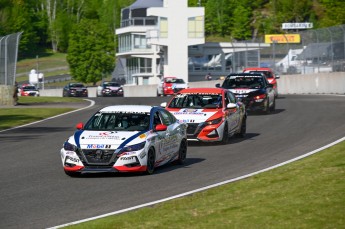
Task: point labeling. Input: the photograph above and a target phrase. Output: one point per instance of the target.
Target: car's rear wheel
(273, 108)
(150, 162)
(267, 108)
(182, 154)
(225, 139)
(243, 127)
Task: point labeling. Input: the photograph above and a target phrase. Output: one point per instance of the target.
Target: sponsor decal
(98, 146)
(127, 158)
(142, 136)
(103, 136)
(142, 155)
(189, 112)
(167, 144)
(75, 160)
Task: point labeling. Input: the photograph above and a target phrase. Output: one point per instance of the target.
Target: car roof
(245, 74)
(202, 90)
(127, 108)
(258, 69)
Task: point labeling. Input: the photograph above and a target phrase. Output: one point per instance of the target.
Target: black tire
(182, 153)
(267, 108)
(243, 127)
(151, 158)
(273, 108)
(225, 139)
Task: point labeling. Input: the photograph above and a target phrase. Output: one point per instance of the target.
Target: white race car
(125, 138)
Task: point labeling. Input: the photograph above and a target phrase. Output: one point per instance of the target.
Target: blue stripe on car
(77, 137)
(131, 138)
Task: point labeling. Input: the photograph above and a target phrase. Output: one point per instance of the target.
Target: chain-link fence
(8, 58)
(320, 50)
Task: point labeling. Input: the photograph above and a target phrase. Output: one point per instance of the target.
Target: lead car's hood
(107, 139)
(193, 115)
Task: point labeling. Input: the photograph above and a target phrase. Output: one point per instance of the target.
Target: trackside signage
(305, 25)
(282, 38)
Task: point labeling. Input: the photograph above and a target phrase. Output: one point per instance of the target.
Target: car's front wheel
(151, 157)
(225, 139)
(182, 154)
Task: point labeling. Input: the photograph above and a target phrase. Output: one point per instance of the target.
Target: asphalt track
(36, 193)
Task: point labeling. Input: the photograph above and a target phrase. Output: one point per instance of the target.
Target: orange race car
(212, 114)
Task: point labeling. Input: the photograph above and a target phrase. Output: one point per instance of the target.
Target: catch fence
(8, 58)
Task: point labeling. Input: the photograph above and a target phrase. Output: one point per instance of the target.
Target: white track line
(92, 103)
(200, 189)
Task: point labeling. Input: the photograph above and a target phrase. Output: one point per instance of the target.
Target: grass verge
(11, 117)
(308, 193)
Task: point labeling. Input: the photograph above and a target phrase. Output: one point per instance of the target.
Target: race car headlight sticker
(135, 147)
(214, 121)
(70, 147)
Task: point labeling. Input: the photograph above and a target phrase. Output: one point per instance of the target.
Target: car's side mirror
(231, 106)
(218, 85)
(80, 126)
(164, 104)
(161, 127)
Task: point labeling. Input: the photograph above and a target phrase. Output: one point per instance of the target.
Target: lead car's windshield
(119, 122)
(197, 101)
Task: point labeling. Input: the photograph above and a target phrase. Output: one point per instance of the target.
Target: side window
(166, 118)
(231, 97)
(156, 119)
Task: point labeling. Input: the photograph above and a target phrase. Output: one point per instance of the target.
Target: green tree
(241, 29)
(330, 12)
(91, 51)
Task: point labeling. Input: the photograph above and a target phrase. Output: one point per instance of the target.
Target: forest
(88, 26)
(48, 24)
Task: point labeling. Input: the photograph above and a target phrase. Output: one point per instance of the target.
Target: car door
(169, 146)
(270, 93)
(233, 115)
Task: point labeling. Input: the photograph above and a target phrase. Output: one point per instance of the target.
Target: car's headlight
(135, 147)
(214, 121)
(69, 147)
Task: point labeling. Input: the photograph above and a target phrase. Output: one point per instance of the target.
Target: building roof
(146, 4)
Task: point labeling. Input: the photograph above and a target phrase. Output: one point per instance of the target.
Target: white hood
(107, 139)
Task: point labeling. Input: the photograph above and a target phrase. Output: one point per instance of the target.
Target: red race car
(270, 75)
(29, 90)
(170, 86)
(212, 114)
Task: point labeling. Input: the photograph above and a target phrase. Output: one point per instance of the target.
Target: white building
(160, 38)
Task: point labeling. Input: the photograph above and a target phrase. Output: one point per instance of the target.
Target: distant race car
(109, 88)
(252, 89)
(170, 86)
(28, 90)
(125, 138)
(212, 114)
(75, 90)
(270, 75)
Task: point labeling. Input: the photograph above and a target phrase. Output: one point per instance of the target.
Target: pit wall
(321, 83)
